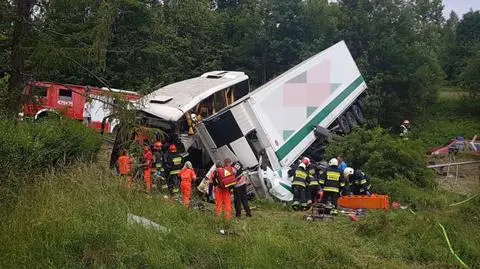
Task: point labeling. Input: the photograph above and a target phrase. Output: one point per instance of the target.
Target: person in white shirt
(87, 113)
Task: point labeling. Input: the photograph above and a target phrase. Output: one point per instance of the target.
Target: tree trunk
(17, 58)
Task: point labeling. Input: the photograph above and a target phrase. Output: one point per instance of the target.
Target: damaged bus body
(175, 109)
(270, 128)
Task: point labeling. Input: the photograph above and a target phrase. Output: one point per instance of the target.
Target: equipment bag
(227, 178)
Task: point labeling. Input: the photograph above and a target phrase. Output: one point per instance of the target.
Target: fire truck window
(65, 95)
(39, 91)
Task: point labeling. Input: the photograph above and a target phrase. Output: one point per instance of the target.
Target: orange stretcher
(365, 202)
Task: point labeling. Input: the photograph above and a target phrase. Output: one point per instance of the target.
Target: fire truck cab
(68, 100)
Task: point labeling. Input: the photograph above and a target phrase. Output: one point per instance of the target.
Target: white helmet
(348, 171)
(333, 162)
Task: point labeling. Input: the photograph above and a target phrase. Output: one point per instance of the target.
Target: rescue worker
(293, 168)
(147, 167)
(124, 164)
(187, 177)
(358, 181)
(240, 193)
(405, 129)
(159, 160)
(333, 184)
(341, 163)
(313, 184)
(223, 200)
(299, 185)
(174, 163)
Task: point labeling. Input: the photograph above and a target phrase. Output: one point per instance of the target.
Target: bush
(383, 156)
(31, 148)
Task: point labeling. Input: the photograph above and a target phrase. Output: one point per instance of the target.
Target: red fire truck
(69, 100)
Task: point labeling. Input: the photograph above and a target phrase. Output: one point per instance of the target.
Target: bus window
(220, 101)
(241, 89)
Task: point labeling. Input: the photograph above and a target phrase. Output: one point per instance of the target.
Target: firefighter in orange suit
(124, 163)
(224, 181)
(187, 176)
(147, 167)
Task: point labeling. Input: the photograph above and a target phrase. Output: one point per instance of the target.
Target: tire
(357, 112)
(361, 103)
(352, 121)
(344, 125)
(48, 115)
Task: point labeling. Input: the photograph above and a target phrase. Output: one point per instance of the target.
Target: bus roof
(172, 101)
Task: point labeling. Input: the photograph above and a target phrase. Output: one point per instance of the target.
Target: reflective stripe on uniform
(301, 174)
(333, 176)
(322, 181)
(174, 172)
(313, 183)
(332, 189)
(298, 183)
(177, 160)
(342, 184)
(363, 181)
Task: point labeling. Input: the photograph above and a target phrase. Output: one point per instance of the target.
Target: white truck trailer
(270, 128)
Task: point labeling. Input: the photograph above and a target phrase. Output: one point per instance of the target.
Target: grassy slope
(450, 117)
(78, 219)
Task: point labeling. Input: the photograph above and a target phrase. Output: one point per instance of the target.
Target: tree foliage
(404, 48)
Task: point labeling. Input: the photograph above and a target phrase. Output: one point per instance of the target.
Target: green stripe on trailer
(309, 127)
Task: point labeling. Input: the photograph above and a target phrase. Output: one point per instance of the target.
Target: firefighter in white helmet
(332, 183)
(357, 181)
(405, 129)
(313, 182)
(299, 185)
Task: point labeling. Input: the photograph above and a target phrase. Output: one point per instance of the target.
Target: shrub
(31, 148)
(383, 156)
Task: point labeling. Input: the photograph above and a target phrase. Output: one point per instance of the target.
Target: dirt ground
(465, 181)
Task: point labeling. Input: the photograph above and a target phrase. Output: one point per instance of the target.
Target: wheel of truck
(361, 103)
(352, 121)
(357, 112)
(344, 125)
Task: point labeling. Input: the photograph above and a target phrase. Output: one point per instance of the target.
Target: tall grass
(447, 119)
(78, 219)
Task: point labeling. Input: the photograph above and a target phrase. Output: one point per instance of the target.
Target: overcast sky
(459, 6)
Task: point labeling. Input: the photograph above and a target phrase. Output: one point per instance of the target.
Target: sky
(459, 6)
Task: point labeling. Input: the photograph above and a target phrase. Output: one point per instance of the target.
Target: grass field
(78, 220)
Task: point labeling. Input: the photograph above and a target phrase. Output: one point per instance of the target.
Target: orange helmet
(172, 148)
(157, 145)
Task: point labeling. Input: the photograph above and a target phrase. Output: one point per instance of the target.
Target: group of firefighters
(165, 163)
(313, 183)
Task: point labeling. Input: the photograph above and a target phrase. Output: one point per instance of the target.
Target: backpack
(227, 177)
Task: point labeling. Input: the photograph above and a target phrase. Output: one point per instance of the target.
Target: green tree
(396, 44)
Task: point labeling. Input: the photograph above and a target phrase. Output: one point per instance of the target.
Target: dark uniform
(173, 164)
(159, 166)
(313, 184)
(299, 187)
(359, 184)
(332, 183)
